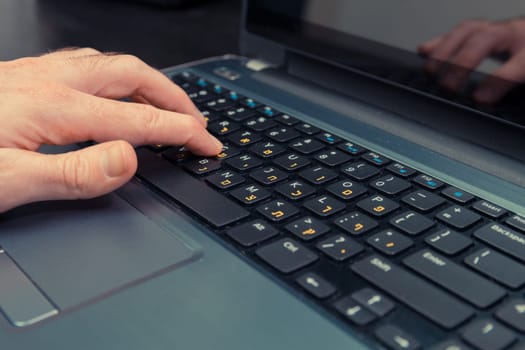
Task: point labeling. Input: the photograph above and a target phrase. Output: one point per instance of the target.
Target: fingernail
(113, 162)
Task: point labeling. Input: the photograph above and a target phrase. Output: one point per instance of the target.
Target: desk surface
(161, 36)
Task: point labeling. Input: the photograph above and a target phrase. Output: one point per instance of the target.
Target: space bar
(190, 192)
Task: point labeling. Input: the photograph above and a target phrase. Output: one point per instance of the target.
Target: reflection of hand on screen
(468, 44)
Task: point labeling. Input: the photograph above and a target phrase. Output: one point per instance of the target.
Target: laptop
(357, 203)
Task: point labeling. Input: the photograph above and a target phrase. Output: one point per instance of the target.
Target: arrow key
(374, 301)
(316, 285)
(396, 339)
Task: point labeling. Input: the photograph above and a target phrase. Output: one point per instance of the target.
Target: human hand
(467, 45)
(66, 97)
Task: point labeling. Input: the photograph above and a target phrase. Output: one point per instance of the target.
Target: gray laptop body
(141, 268)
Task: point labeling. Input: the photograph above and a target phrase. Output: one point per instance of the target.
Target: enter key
(455, 278)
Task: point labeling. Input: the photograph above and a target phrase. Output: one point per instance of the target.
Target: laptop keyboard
(388, 250)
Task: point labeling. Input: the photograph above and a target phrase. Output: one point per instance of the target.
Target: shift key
(416, 293)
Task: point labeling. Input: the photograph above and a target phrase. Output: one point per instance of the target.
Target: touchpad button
(75, 251)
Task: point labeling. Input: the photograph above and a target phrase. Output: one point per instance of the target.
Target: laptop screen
(470, 52)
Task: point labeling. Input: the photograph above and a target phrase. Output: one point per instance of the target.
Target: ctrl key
(286, 255)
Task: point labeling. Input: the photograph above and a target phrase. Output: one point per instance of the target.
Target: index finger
(119, 76)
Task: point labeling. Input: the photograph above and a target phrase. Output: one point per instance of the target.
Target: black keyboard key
(390, 185)
(250, 194)
(307, 228)
(448, 241)
(251, 233)
(396, 339)
(307, 129)
(260, 123)
(346, 189)
(244, 138)
(318, 175)
(513, 314)
(328, 138)
(355, 223)
(286, 120)
(428, 182)
(201, 82)
(412, 223)
(223, 127)
(498, 267)
(413, 291)
(306, 146)
(295, 190)
(292, 161)
(201, 96)
(225, 179)
(378, 205)
(489, 209)
(339, 247)
(360, 170)
(228, 151)
(277, 210)
(374, 301)
(324, 206)
(316, 285)
(269, 175)
(487, 334)
(423, 200)
(390, 242)
(267, 149)
(250, 103)
(202, 166)
(400, 170)
(177, 155)
(210, 116)
(286, 255)
(517, 222)
(458, 217)
(451, 345)
(219, 104)
(234, 96)
(185, 189)
(282, 134)
(354, 312)
(332, 157)
(218, 89)
(504, 239)
(268, 111)
(375, 158)
(238, 114)
(457, 195)
(351, 148)
(244, 162)
(455, 278)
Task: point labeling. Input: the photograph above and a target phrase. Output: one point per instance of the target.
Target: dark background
(162, 34)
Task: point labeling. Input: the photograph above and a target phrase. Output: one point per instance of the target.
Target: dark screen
(468, 53)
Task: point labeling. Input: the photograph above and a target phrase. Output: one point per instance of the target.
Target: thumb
(27, 176)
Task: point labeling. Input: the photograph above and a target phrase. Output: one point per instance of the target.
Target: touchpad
(76, 251)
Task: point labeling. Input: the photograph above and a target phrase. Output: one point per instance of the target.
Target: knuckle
(131, 62)
(151, 117)
(76, 175)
